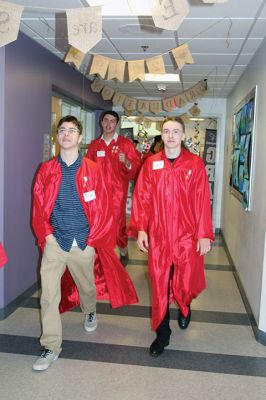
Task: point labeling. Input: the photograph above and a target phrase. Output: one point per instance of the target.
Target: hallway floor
(217, 357)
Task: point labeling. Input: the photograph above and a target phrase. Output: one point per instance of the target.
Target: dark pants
(163, 331)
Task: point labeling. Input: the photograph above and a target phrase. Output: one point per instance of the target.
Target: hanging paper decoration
(107, 93)
(84, 26)
(131, 104)
(195, 111)
(155, 65)
(99, 65)
(169, 14)
(182, 56)
(116, 70)
(74, 57)
(185, 117)
(136, 70)
(10, 15)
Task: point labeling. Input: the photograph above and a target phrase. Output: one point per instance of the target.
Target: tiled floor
(217, 357)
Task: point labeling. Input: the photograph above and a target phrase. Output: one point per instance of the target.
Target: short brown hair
(176, 119)
(74, 120)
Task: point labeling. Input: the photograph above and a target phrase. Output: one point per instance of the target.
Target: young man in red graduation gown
(171, 218)
(72, 216)
(118, 160)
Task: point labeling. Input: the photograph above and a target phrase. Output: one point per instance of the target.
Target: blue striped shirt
(68, 218)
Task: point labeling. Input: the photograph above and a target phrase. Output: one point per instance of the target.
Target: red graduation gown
(119, 288)
(116, 176)
(171, 203)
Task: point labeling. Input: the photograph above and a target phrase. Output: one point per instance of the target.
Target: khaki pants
(80, 264)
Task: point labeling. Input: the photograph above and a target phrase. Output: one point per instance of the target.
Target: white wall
(244, 232)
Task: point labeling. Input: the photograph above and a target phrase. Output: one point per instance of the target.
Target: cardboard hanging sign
(182, 56)
(74, 57)
(118, 99)
(169, 14)
(116, 70)
(97, 85)
(10, 15)
(136, 70)
(84, 26)
(155, 65)
(99, 65)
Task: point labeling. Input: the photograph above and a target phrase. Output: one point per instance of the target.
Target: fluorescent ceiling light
(122, 7)
(197, 119)
(162, 77)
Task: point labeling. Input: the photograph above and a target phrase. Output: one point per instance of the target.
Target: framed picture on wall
(243, 142)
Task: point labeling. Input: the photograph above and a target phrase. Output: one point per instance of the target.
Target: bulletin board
(243, 142)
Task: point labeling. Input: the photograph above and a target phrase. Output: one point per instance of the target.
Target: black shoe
(124, 260)
(157, 347)
(183, 321)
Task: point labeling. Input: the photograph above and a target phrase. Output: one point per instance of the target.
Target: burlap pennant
(118, 99)
(10, 15)
(155, 65)
(84, 26)
(143, 106)
(107, 92)
(155, 106)
(136, 70)
(194, 111)
(169, 14)
(185, 117)
(180, 100)
(182, 56)
(98, 65)
(169, 104)
(130, 103)
(97, 85)
(116, 70)
(74, 57)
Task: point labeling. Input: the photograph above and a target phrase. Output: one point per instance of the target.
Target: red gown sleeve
(3, 256)
(202, 206)
(140, 211)
(40, 221)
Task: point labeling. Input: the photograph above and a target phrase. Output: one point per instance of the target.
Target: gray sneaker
(45, 360)
(90, 323)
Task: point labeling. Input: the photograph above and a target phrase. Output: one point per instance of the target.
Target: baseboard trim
(19, 301)
(260, 336)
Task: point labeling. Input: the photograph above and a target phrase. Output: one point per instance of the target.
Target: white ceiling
(221, 53)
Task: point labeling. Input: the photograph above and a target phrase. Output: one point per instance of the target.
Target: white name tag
(89, 196)
(101, 153)
(158, 164)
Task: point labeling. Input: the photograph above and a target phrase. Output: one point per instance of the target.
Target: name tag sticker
(158, 164)
(89, 196)
(100, 153)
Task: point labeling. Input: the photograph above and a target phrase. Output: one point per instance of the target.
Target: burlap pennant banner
(194, 111)
(84, 26)
(74, 57)
(130, 104)
(169, 14)
(99, 65)
(155, 65)
(116, 70)
(136, 70)
(10, 15)
(182, 56)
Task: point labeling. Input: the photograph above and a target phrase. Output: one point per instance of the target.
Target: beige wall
(244, 232)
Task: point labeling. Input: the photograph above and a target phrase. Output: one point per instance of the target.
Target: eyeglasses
(71, 131)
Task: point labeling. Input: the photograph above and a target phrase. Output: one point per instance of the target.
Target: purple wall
(2, 94)
(30, 73)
